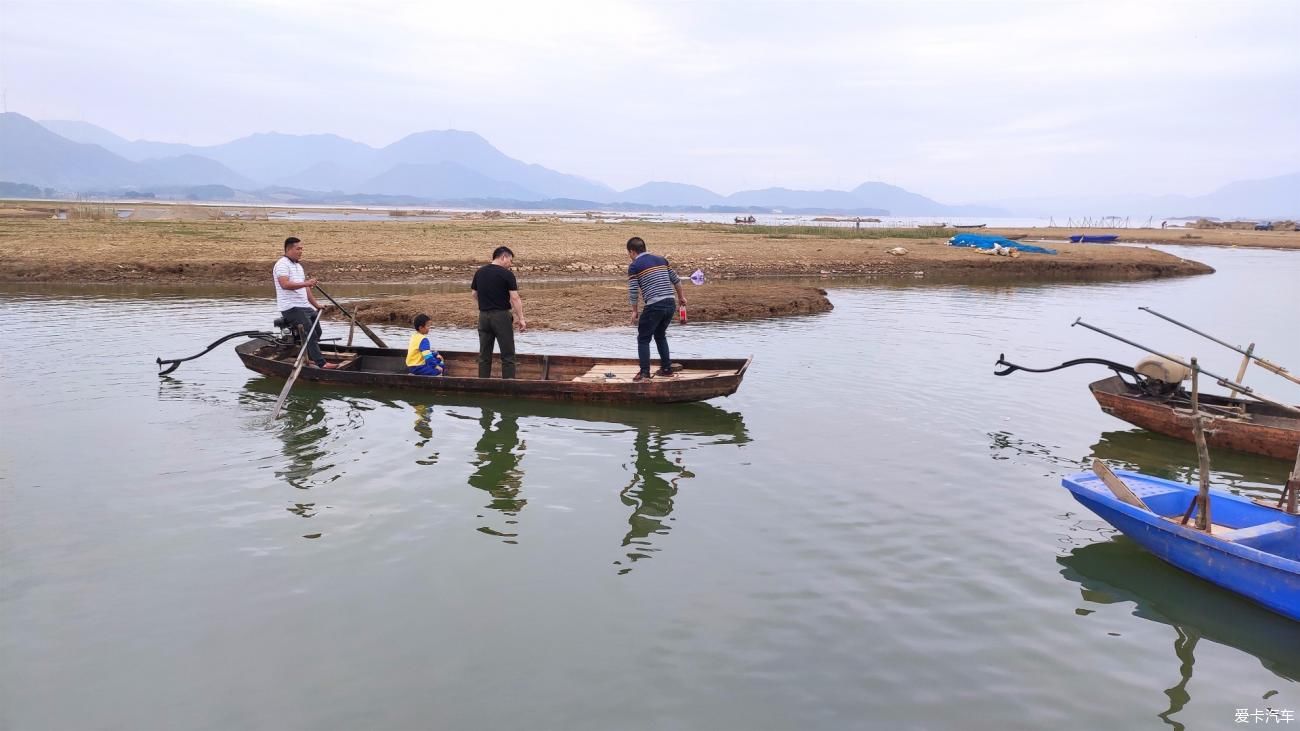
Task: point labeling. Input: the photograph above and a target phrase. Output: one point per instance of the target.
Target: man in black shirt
(497, 294)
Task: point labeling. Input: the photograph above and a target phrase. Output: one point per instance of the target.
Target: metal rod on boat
(1249, 352)
(1203, 521)
(1220, 380)
(1185, 326)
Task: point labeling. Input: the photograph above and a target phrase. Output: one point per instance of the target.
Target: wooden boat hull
(554, 377)
(1253, 551)
(1265, 429)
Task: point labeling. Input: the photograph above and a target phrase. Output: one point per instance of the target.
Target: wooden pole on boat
(1117, 486)
(1291, 491)
(1203, 521)
(1265, 364)
(1241, 372)
(297, 368)
(369, 333)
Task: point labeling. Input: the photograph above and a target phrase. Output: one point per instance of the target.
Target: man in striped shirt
(651, 275)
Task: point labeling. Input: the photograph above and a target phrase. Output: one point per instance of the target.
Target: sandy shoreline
(38, 249)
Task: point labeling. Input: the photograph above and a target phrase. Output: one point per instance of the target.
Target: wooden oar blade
(284, 392)
(1117, 485)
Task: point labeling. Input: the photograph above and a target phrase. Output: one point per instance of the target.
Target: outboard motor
(288, 334)
(1163, 376)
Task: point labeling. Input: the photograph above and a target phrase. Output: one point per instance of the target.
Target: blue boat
(1094, 238)
(1251, 549)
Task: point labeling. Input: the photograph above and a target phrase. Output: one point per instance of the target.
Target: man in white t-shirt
(294, 299)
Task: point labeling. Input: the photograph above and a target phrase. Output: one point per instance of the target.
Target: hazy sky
(961, 101)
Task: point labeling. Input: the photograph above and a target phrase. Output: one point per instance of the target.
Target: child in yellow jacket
(421, 358)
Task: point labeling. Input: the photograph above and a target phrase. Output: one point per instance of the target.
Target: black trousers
(304, 317)
(496, 326)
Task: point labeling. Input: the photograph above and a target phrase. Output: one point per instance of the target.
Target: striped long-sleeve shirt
(651, 275)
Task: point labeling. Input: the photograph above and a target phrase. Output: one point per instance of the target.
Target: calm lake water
(869, 534)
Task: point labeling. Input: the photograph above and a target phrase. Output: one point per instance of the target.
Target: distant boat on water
(969, 225)
(1094, 238)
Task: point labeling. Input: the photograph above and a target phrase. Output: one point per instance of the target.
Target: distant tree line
(24, 190)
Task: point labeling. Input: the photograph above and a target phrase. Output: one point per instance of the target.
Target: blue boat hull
(1256, 554)
(1094, 238)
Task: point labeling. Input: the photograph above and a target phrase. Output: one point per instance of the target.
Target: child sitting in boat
(421, 358)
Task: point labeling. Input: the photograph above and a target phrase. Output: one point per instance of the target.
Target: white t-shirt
(289, 298)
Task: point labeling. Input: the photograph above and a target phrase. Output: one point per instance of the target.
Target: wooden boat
(556, 377)
(1250, 549)
(969, 225)
(1094, 238)
(1242, 424)
(1246, 425)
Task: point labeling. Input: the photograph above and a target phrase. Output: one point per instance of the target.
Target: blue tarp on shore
(981, 241)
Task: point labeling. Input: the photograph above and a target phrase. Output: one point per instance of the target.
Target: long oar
(297, 367)
(1249, 352)
(369, 333)
(1247, 390)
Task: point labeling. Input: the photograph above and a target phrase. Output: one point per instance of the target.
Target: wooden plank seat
(347, 362)
(611, 373)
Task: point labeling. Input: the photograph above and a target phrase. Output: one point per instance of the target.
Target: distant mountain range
(455, 167)
(1268, 198)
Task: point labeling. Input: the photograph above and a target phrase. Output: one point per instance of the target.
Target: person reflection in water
(497, 469)
(424, 427)
(650, 494)
(304, 432)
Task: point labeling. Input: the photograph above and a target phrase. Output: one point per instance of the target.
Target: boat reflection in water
(658, 436)
(1118, 571)
(656, 466)
(1173, 459)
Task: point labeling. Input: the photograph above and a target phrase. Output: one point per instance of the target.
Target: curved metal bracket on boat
(176, 362)
(1119, 368)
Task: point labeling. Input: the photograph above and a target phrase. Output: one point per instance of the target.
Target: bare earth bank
(237, 251)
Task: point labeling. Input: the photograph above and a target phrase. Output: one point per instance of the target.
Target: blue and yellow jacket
(419, 352)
